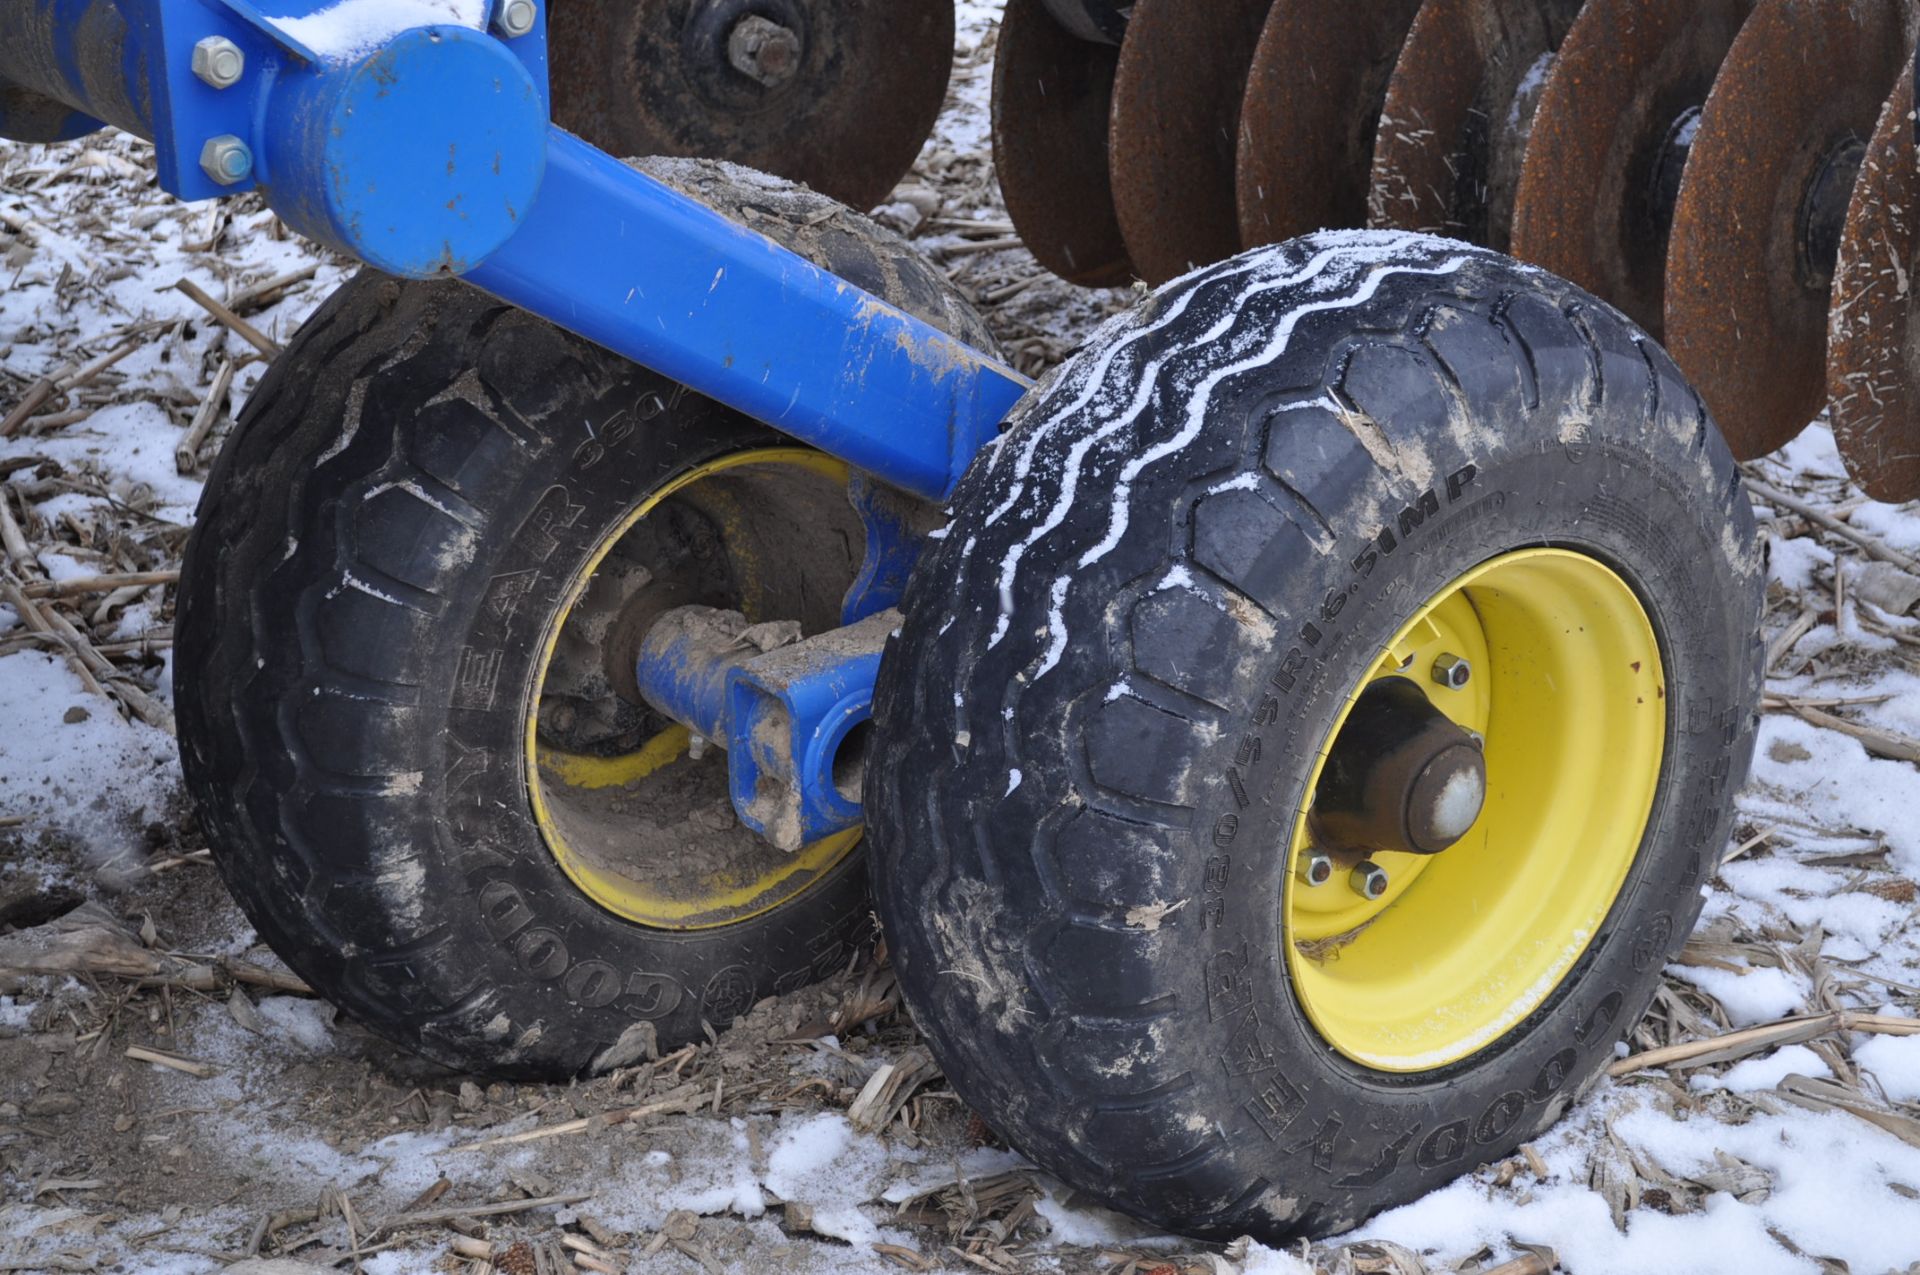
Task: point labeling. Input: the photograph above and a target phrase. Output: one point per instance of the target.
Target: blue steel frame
(428, 151)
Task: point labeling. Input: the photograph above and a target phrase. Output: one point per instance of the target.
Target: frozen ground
(304, 1136)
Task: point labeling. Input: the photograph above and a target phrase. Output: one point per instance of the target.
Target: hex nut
(218, 62)
(226, 159)
(1368, 879)
(515, 18)
(1315, 867)
(1452, 672)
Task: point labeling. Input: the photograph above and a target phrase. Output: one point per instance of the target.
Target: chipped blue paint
(420, 159)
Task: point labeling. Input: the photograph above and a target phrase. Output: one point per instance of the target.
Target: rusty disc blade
(1761, 207)
(1873, 339)
(1453, 132)
(1609, 142)
(844, 105)
(1052, 93)
(1176, 110)
(1306, 141)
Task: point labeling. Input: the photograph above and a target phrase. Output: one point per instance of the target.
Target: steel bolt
(1315, 867)
(1368, 879)
(515, 17)
(764, 50)
(218, 61)
(1451, 671)
(226, 159)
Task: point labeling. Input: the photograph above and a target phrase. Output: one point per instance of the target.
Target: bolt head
(1368, 879)
(218, 61)
(1316, 867)
(226, 159)
(1451, 671)
(515, 17)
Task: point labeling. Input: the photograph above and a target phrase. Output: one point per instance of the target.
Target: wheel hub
(1400, 777)
(764, 51)
(739, 53)
(632, 808)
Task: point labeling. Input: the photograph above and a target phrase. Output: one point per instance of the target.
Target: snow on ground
(1800, 1158)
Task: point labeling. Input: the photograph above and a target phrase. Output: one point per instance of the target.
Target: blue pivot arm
(427, 151)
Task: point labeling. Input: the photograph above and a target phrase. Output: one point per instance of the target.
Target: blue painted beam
(625, 261)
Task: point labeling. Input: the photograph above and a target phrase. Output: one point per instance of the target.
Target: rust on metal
(1305, 149)
(1052, 93)
(1761, 205)
(839, 94)
(1610, 141)
(1453, 133)
(1176, 114)
(1873, 341)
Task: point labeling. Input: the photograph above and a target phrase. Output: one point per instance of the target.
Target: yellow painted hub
(574, 797)
(1569, 691)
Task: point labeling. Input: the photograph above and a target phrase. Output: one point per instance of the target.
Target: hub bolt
(226, 159)
(763, 50)
(515, 18)
(1451, 671)
(1315, 867)
(218, 62)
(1368, 879)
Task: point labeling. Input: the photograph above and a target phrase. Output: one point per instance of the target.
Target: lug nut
(1368, 879)
(763, 50)
(1315, 867)
(515, 18)
(226, 159)
(1451, 671)
(218, 62)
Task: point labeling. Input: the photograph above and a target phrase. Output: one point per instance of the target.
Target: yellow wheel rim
(1570, 693)
(762, 878)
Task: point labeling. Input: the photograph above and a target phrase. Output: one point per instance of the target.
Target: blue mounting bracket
(786, 716)
(893, 546)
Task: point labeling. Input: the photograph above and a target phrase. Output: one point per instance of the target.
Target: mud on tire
(1086, 779)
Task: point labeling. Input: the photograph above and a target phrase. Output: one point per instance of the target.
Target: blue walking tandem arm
(426, 150)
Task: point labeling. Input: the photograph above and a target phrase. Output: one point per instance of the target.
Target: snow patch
(350, 28)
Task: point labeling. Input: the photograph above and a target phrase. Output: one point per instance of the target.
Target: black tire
(1030, 789)
(403, 506)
